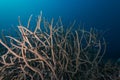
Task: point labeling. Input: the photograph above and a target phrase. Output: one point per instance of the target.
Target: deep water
(104, 15)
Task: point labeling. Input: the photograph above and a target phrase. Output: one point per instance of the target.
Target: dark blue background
(101, 14)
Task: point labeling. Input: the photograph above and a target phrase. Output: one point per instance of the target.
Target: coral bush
(51, 52)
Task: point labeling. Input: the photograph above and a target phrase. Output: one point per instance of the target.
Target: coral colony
(52, 52)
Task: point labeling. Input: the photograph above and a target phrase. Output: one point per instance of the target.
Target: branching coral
(51, 53)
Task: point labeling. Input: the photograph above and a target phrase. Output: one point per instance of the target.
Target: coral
(51, 52)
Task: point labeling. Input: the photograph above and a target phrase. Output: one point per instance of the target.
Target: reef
(53, 52)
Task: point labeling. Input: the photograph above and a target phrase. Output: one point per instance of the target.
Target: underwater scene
(60, 40)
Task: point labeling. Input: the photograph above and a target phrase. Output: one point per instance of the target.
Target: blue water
(101, 14)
